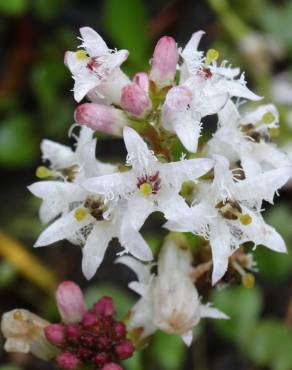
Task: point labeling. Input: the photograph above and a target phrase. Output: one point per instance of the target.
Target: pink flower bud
(70, 302)
(135, 101)
(120, 329)
(67, 361)
(124, 349)
(72, 331)
(101, 118)
(142, 80)
(104, 306)
(89, 319)
(101, 358)
(55, 334)
(112, 366)
(164, 62)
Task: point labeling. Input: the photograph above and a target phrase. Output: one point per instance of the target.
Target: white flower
(85, 219)
(150, 185)
(169, 301)
(96, 65)
(242, 138)
(203, 90)
(204, 73)
(227, 213)
(24, 332)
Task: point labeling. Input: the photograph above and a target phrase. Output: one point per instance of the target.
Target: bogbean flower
(245, 139)
(85, 216)
(150, 185)
(24, 332)
(227, 213)
(95, 68)
(169, 300)
(203, 90)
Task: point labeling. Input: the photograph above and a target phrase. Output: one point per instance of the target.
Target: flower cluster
(84, 337)
(213, 188)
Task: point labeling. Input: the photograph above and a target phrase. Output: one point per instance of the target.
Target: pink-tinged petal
(135, 101)
(101, 118)
(67, 361)
(93, 42)
(55, 334)
(164, 62)
(70, 302)
(142, 79)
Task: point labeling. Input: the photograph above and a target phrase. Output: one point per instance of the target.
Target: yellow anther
(274, 131)
(212, 55)
(17, 315)
(43, 172)
(80, 213)
(81, 54)
(268, 117)
(146, 188)
(245, 219)
(248, 280)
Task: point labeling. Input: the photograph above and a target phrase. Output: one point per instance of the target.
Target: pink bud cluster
(134, 96)
(96, 340)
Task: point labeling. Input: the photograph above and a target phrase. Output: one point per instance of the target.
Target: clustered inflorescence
(213, 188)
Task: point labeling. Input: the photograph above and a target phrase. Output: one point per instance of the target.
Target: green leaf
(13, 7)
(168, 350)
(270, 345)
(47, 80)
(7, 274)
(134, 363)
(243, 306)
(122, 299)
(10, 367)
(48, 9)
(125, 23)
(18, 144)
(276, 265)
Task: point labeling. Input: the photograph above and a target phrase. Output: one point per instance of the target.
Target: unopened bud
(164, 62)
(104, 306)
(70, 302)
(67, 361)
(135, 100)
(142, 80)
(55, 334)
(101, 118)
(112, 366)
(124, 349)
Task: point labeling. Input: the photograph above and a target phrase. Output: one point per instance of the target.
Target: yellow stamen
(43, 172)
(268, 117)
(146, 188)
(245, 219)
(248, 280)
(80, 214)
(17, 315)
(211, 56)
(81, 54)
(274, 131)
